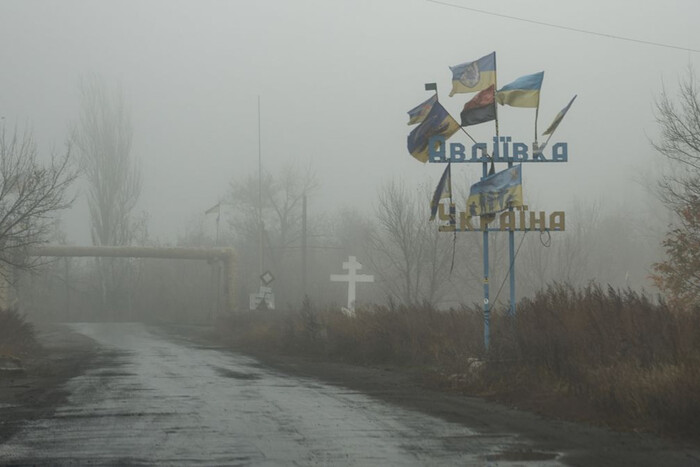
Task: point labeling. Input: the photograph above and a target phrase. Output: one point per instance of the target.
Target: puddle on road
(522, 455)
(226, 373)
(113, 373)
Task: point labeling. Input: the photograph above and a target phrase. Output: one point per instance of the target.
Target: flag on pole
(496, 192)
(438, 122)
(474, 76)
(523, 92)
(214, 209)
(557, 120)
(419, 112)
(482, 108)
(443, 190)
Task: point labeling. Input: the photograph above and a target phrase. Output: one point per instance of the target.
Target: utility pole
(303, 246)
(260, 221)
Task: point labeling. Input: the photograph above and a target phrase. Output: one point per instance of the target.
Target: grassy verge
(593, 354)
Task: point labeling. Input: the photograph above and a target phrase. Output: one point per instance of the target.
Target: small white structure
(264, 295)
(352, 278)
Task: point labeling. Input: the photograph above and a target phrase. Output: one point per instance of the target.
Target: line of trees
(412, 262)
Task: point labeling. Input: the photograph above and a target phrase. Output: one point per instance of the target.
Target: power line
(566, 28)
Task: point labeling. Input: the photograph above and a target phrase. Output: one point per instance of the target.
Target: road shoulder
(37, 391)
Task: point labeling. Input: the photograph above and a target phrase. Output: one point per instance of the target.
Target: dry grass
(612, 356)
(636, 362)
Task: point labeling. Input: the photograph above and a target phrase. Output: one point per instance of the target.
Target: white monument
(352, 278)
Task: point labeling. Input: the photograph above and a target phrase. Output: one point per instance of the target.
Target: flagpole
(511, 232)
(452, 213)
(495, 106)
(537, 109)
(260, 221)
(465, 131)
(495, 87)
(487, 305)
(546, 142)
(218, 218)
(453, 220)
(485, 234)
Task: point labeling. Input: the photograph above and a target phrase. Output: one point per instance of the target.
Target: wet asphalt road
(165, 401)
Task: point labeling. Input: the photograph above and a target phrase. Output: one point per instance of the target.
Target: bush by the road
(602, 355)
(16, 334)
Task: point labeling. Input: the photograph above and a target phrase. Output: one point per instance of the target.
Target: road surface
(159, 399)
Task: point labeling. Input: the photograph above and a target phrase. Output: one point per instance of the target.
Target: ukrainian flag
(474, 76)
(560, 116)
(496, 192)
(523, 92)
(438, 122)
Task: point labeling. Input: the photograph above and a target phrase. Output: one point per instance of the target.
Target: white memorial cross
(352, 278)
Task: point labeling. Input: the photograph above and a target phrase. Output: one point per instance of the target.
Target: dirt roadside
(36, 392)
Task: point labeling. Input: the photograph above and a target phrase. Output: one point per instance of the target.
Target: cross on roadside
(352, 278)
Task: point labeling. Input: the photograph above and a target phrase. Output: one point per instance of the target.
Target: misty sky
(335, 79)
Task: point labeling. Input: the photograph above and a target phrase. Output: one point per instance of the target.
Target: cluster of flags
(497, 191)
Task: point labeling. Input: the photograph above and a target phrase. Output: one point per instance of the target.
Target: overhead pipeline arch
(225, 256)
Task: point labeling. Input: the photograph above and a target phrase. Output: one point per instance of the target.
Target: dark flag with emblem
(443, 190)
(438, 122)
(419, 112)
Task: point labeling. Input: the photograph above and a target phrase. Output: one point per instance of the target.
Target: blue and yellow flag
(419, 112)
(523, 92)
(558, 118)
(474, 76)
(496, 192)
(438, 122)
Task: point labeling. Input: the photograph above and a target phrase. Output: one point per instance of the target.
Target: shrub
(17, 336)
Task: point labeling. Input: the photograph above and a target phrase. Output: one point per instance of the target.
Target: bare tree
(103, 138)
(679, 143)
(30, 196)
(411, 256)
(271, 206)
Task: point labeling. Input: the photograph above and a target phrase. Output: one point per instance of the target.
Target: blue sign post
(503, 150)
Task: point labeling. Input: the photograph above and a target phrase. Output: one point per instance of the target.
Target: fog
(334, 80)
